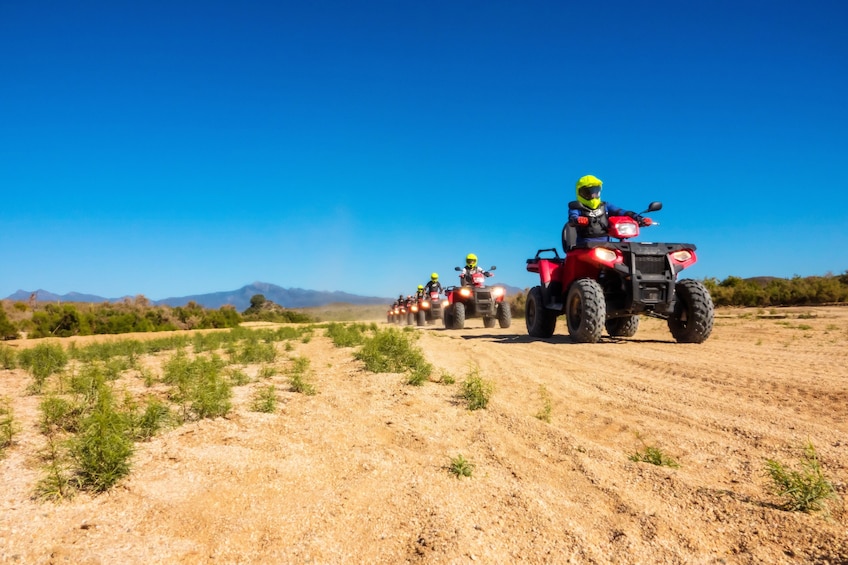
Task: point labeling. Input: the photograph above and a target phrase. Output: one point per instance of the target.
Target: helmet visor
(589, 192)
(471, 263)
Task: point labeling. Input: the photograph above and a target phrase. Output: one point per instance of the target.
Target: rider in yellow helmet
(467, 274)
(433, 284)
(419, 293)
(589, 214)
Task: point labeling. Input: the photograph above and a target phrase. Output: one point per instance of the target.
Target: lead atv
(477, 299)
(607, 285)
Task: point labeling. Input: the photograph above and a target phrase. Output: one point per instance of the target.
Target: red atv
(477, 299)
(607, 285)
(428, 309)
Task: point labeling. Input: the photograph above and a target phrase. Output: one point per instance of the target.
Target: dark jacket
(431, 286)
(596, 229)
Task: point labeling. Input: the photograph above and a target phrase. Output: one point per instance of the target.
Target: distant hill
(47, 296)
(239, 298)
(285, 297)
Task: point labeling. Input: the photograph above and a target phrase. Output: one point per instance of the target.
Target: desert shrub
(56, 484)
(8, 426)
(8, 359)
(59, 414)
(653, 455)
(42, 361)
(544, 413)
(8, 330)
(299, 376)
(87, 380)
(804, 490)
(391, 351)
(267, 372)
(102, 448)
(143, 424)
(460, 466)
(476, 391)
(346, 335)
(237, 376)
(199, 385)
(251, 350)
(264, 399)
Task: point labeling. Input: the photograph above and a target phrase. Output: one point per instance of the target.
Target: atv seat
(569, 237)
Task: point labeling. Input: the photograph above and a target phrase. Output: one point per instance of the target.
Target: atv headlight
(604, 255)
(465, 291)
(627, 230)
(498, 291)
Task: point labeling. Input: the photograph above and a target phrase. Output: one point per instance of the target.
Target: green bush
(391, 351)
(60, 414)
(42, 361)
(476, 391)
(346, 335)
(7, 357)
(299, 376)
(264, 399)
(460, 466)
(102, 449)
(8, 330)
(8, 426)
(199, 385)
(805, 490)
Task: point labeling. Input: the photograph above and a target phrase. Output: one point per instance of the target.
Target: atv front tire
(540, 321)
(458, 316)
(421, 318)
(692, 319)
(585, 311)
(504, 314)
(623, 327)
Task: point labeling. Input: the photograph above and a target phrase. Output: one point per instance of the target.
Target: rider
(471, 268)
(420, 292)
(590, 215)
(434, 284)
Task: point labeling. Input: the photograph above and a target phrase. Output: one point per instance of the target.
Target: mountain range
(239, 298)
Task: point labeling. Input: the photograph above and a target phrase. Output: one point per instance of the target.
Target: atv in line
(477, 299)
(608, 285)
(428, 309)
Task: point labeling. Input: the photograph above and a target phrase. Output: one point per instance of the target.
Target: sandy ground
(359, 472)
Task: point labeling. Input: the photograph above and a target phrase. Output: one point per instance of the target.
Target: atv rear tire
(692, 319)
(489, 321)
(504, 314)
(585, 311)
(623, 327)
(539, 320)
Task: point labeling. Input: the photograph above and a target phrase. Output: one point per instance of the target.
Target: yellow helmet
(589, 191)
(420, 287)
(434, 276)
(471, 260)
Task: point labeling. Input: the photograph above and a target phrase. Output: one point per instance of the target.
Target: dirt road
(359, 472)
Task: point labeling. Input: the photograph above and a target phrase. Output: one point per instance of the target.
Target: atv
(477, 299)
(428, 309)
(607, 285)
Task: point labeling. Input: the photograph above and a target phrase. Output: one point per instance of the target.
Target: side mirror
(654, 207)
(457, 269)
(492, 268)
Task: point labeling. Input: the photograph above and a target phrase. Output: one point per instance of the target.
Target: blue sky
(175, 148)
